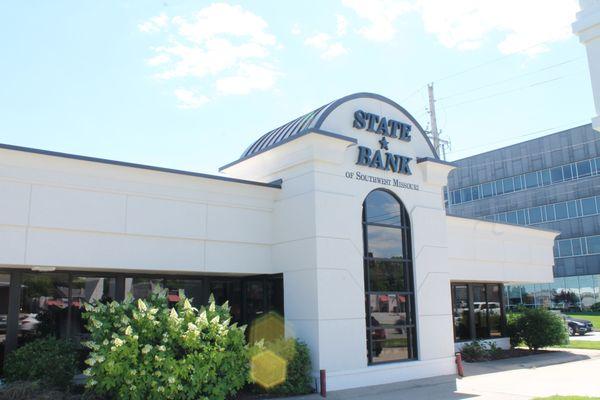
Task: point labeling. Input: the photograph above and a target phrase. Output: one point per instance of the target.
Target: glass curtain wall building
(550, 182)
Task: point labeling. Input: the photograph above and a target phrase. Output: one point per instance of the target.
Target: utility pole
(434, 130)
(434, 133)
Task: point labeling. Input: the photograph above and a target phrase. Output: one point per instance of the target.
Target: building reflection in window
(88, 289)
(4, 296)
(389, 298)
(44, 306)
(460, 312)
(478, 311)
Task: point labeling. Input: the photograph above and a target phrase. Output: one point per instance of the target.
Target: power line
(510, 79)
(576, 123)
(412, 94)
(453, 75)
(539, 83)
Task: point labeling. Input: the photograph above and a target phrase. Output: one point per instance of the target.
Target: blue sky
(190, 84)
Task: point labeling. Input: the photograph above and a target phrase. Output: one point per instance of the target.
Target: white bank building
(334, 220)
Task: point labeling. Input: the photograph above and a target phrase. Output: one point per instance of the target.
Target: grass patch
(582, 344)
(594, 317)
(567, 398)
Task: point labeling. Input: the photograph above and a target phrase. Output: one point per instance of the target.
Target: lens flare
(268, 327)
(268, 369)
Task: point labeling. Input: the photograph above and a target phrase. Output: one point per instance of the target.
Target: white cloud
(189, 99)
(524, 26)
(219, 45)
(381, 15)
(159, 59)
(342, 25)
(296, 29)
(249, 77)
(329, 46)
(330, 49)
(154, 24)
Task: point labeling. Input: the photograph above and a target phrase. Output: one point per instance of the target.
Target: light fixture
(43, 269)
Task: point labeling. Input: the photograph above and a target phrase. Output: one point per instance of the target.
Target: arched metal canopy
(312, 121)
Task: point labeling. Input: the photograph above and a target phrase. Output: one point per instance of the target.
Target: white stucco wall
(88, 216)
(492, 252)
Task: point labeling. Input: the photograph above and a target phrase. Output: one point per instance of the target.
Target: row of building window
(581, 246)
(545, 177)
(550, 212)
(572, 292)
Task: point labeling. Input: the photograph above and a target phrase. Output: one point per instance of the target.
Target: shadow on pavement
(533, 361)
(437, 388)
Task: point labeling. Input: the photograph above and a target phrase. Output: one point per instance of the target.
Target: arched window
(389, 288)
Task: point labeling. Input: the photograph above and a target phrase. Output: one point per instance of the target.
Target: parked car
(578, 326)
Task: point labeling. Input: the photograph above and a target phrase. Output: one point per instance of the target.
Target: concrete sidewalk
(559, 372)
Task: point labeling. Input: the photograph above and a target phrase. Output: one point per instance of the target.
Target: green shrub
(50, 361)
(145, 350)
(538, 328)
(494, 351)
(474, 351)
(595, 307)
(512, 329)
(480, 350)
(298, 379)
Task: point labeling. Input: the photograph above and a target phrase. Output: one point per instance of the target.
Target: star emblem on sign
(384, 143)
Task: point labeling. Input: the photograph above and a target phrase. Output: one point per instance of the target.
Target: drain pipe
(323, 383)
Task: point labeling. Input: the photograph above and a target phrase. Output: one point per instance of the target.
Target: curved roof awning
(312, 122)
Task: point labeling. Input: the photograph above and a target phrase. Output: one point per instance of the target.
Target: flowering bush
(145, 350)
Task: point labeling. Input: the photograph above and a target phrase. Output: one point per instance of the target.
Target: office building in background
(551, 182)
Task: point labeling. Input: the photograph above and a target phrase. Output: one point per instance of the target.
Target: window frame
(472, 329)
(410, 325)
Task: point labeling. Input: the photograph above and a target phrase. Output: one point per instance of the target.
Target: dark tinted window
(584, 168)
(535, 215)
(466, 194)
(385, 276)
(389, 297)
(509, 185)
(593, 245)
(384, 242)
(518, 182)
(567, 173)
(460, 311)
(546, 177)
(531, 180)
(550, 213)
(487, 189)
(588, 206)
(556, 174)
(572, 209)
(381, 208)
(564, 247)
(560, 210)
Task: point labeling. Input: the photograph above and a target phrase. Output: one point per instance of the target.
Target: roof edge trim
(275, 184)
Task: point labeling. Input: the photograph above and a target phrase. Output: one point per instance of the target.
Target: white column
(587, 27)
